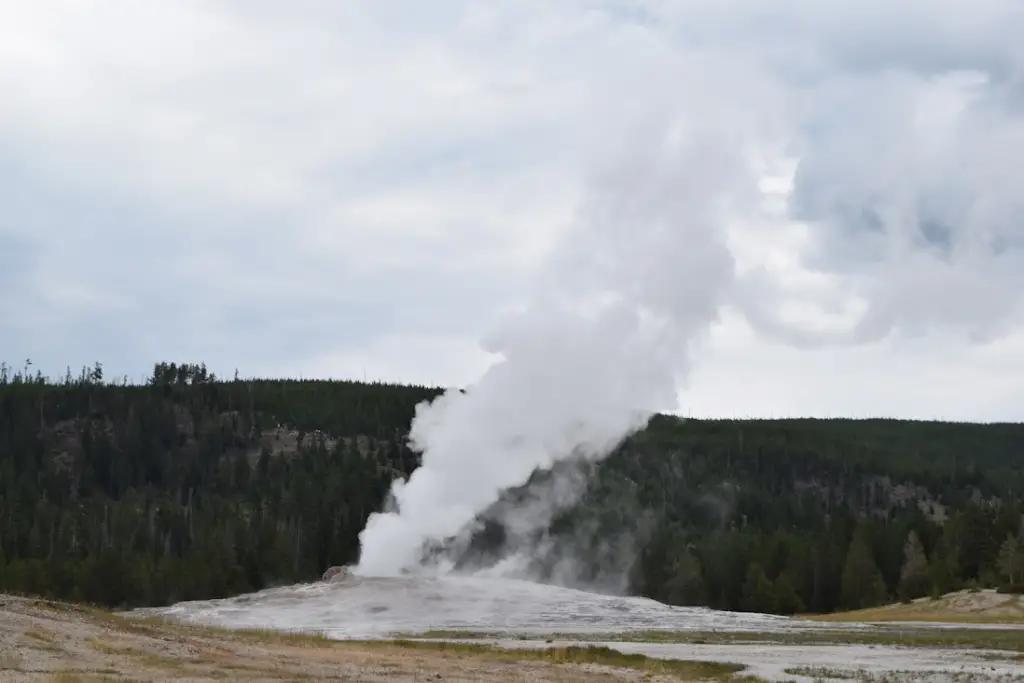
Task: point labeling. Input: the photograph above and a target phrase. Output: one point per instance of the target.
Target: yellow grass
(956, 608)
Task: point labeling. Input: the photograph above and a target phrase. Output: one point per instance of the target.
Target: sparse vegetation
(1011, 640)
(967, 607)
(955, 677)
(10, 661)
(584, 654)
(819, 672)
(40, 634)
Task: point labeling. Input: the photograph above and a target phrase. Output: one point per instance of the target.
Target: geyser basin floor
(523, 612)
(378, 607)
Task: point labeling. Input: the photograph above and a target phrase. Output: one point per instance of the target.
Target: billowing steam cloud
(598, 350)
(900, 214)
(912, 209)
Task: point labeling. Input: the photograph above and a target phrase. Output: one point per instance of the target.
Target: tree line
(190, 486)
(819, 515)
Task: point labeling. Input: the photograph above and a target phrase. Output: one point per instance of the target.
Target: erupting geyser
(600, 348)
(915, 195)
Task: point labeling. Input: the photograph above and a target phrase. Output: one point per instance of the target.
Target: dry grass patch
(65, 677)
(155, 660)
(41, 635)
(961, 607)
(10, 661)
(160, 627)
(101, 645)
(150, 659)
(41, 639)
(896, 613)
(296, 639)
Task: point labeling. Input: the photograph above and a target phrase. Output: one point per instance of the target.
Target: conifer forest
(192, 486)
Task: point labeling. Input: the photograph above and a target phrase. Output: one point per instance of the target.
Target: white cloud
(187, 172)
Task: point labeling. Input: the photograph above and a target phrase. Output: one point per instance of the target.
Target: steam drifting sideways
(878, 224)
(599, 349)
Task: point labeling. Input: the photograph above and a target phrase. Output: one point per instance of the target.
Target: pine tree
(862, 582)
(758, 591)
(787, 600)
(914, 577)
(943, 570)
(1011, 561)
(685, 583)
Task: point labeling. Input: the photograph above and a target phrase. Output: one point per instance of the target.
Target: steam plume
(897, 220)
(599, 349)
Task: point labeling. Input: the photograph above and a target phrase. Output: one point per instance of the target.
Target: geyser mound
(379, 607)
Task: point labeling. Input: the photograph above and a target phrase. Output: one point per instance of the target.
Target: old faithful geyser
(916, 194)
(601, 347)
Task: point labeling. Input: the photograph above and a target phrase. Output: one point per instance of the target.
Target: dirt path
(60, 643)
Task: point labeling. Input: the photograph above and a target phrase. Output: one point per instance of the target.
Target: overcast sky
(350, 189)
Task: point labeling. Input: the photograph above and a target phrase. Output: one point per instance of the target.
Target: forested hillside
(191, 487)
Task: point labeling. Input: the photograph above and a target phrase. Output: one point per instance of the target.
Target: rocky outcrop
(63, 439)
(283, 441)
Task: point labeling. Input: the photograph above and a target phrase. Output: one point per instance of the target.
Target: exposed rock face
(336, 573)
(878, 495)
(287, 442)
(64, 439)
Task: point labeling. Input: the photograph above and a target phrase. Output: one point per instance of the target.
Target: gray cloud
(87, 278)
(272, 187)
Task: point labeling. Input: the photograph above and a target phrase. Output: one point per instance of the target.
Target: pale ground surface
(353, 607)
(771, 661)
(377, 607)
(65, 644)
(37, 640)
